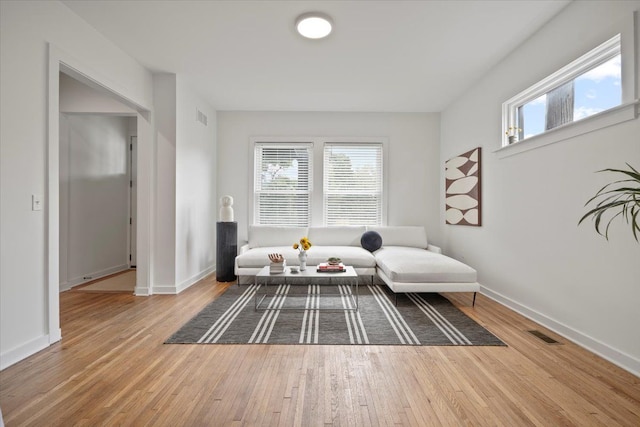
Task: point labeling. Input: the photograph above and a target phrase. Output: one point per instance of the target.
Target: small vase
(302, 257)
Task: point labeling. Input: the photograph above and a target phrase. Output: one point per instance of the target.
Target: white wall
(94, 196)
(164, 86)
(25, 30)
(530, 253)
(76, 97)
(412, 164)
(196, 200)
(185, 178)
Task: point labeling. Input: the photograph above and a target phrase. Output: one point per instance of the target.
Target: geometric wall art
(462, 189)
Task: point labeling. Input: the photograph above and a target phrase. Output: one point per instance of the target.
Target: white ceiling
(394, 56)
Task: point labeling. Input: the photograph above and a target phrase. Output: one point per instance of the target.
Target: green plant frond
(606, 230)
(630, 209)
(634, 174)
(620, 197)
(587, 215)
(613, 197)
(598, 194)
(599, 210)
(629, 189)
(610, 205)
(631, 167)
(602, 191)
(632, 189)
(634, 225)
(621, 180)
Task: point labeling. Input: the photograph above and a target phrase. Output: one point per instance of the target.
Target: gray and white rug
(417, 319)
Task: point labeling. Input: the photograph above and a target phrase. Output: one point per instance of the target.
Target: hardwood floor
(112, 368)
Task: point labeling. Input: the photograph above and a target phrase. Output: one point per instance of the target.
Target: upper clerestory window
(589, 85)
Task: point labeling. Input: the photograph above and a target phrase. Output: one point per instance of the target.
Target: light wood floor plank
(112, 368)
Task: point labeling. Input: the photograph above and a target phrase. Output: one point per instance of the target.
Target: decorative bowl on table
(334, 261)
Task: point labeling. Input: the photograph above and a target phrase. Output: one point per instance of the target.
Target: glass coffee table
(324, 290)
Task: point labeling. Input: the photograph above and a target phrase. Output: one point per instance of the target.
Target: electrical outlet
(36, 202)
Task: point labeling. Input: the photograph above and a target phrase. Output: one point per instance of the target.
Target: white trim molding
(176, 289)
(27, 349)
(318, 143)
(58, 61)
(610, 117)
(597, 56)
(618, 358)
(94, 276)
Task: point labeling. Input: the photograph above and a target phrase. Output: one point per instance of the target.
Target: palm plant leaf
(619, 196)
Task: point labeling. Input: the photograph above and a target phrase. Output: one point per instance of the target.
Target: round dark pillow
(371, 241)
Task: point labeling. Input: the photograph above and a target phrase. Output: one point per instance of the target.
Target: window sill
(613, 116)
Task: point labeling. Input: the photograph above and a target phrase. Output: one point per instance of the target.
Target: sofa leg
(473, 304)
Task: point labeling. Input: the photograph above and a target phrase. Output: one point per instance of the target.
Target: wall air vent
(201, 117)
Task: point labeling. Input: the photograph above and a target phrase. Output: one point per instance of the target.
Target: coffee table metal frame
(313, 277)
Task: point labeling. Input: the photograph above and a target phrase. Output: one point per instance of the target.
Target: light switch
(36, 202)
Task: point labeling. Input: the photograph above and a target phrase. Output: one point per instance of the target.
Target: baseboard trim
(142, 291)
(165, 290)
(195, 279)
(55, 336)
(618, 358)
(65, 286)
(30, 348)
(174, 290)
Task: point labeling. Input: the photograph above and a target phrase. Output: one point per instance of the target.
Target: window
(589, 85)
(283, 183)
(318, 181)
(352, 184)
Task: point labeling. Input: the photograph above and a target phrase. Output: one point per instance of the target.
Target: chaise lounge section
(405, 261)
(408, 263)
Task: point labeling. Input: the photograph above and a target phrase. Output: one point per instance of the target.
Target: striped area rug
(316, 315)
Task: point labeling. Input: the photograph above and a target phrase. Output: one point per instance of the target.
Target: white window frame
(278, 143)
(622, 44)
(381, 201)
(316, 215)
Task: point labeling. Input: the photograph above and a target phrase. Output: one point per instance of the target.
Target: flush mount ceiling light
(314, 25)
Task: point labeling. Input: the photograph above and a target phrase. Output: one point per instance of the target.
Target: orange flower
(304, 244)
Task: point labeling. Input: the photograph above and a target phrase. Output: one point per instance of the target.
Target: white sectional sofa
(406, 262)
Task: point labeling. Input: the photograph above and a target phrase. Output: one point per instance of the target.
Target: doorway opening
(61, 61)
(97, 196)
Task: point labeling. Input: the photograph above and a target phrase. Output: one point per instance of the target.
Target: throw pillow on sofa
(371, 241)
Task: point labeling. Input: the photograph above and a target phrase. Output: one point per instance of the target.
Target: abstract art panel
(462, 189)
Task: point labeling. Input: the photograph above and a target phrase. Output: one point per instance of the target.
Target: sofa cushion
(259, 257)
(261, 236)
(371, 241)
(411, 236)
(336, 236)
(350, 255)
(413, 265)
(354, 256)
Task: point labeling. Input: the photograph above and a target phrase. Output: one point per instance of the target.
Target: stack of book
(277, 267)
(330, 268)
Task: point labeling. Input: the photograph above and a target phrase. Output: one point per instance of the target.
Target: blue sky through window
(596, 90)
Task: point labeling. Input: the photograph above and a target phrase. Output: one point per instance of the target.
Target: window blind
(283, 184)
(352, 184)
